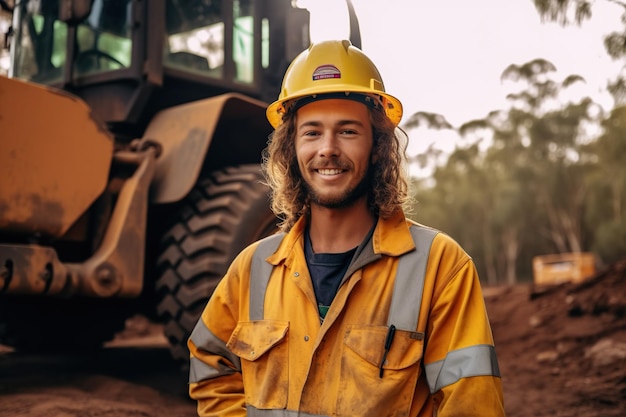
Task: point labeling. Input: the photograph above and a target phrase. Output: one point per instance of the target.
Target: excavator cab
(128, 59)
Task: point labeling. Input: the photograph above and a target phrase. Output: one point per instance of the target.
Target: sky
(446, 56)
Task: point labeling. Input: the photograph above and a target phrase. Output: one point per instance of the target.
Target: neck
(339, 230)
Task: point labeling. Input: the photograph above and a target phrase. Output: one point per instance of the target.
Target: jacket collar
(391, 237)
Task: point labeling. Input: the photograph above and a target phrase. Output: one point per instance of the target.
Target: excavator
(131, 138)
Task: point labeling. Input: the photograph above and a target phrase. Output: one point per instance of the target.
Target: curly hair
(290, 200)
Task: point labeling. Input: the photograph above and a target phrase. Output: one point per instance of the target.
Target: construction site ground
(561, 349)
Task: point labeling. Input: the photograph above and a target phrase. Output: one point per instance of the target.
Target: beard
(347, 198)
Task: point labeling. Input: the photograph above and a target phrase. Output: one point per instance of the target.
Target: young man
(353, 310)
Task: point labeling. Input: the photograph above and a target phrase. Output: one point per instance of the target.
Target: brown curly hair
(289, 198)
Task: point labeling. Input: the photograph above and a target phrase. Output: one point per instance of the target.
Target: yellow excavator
(131, 136)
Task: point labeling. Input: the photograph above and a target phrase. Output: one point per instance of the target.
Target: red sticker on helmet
(326, 71)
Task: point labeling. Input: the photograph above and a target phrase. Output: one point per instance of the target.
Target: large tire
(224, 213)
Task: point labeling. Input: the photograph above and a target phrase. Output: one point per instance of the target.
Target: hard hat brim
(392, 106)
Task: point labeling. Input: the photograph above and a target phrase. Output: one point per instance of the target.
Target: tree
(567, 12)
(552, 148)
(606, 217)
(525, 193)
(430, 121)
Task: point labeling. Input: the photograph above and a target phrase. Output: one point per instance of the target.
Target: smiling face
(334, 150)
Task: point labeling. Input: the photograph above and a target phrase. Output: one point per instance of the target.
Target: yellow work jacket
(289, 363)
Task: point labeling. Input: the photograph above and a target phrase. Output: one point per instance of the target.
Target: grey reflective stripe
(199, 371)
(409, 284)
(205, 340)
(260, 272)
(478, 360)
(255, 412)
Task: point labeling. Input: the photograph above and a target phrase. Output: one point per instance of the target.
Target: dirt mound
(562, 349)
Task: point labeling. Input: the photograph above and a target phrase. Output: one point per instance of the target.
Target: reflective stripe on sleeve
(256, 412)
(478, 360)
(205, 340)
(200, 371)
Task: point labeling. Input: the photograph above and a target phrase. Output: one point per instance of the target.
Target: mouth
(329, 171)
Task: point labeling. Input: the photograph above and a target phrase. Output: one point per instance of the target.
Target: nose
(329, 145)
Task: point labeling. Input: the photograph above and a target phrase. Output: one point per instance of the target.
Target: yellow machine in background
(563, 267)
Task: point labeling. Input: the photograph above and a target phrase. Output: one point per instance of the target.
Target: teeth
(329, 171)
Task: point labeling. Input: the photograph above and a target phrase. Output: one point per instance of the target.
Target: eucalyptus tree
(533, 192)
(525, 192)
(499, 202)
(606, 214)
(567, 12)
(606, 204)
(432, 156)
(553, 139)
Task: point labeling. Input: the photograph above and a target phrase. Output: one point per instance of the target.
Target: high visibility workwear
(387, 345)
(330, 67)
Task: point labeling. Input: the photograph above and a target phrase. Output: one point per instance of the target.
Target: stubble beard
(345, 199)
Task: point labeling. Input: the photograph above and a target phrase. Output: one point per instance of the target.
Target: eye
(310, 134)
(348, 132)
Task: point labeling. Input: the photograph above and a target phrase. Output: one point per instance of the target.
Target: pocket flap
(369, 343)
(252, 339)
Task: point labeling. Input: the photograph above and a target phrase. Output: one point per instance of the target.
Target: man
(353, 310)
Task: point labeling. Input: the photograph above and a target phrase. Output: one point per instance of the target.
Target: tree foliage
(543, 185)
(567, 12)
(553, 178)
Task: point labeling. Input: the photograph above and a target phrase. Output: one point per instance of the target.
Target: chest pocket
(259, 344)
(360, 372)
(366, 342)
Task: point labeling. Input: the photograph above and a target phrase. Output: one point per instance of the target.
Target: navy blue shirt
(327, 270)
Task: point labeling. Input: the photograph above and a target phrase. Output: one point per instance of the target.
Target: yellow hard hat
(332, 67)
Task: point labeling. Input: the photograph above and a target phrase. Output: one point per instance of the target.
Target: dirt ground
(562, 352)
